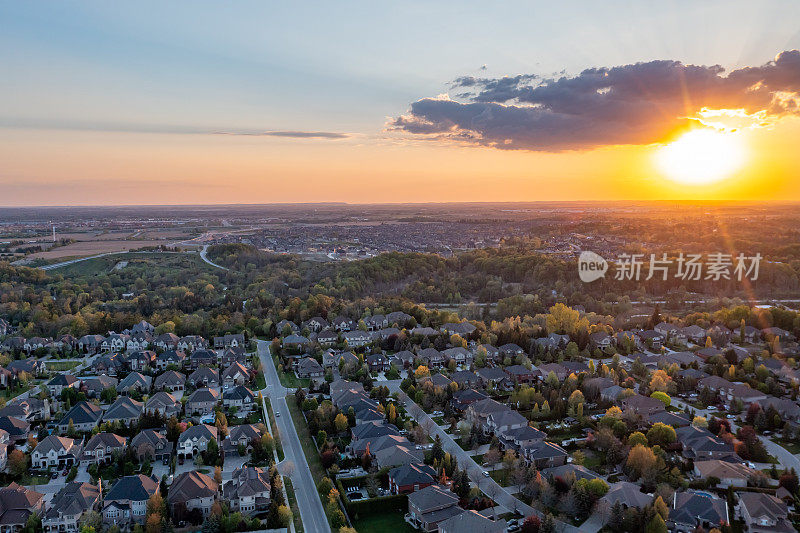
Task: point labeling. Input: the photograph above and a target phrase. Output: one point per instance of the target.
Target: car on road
(485, 473)
(54, 474)
(277, 414)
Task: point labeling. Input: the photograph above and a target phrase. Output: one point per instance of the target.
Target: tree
(637, 437)
(285, 516)
(661, 434)
(662, 397)
(218, 474)
(641, 461)
(656, 525)
(660, 381)
(661, 508)
(532, 524)
(340, 423)
(17, 463)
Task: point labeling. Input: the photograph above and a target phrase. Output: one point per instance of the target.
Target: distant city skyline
(115, 104)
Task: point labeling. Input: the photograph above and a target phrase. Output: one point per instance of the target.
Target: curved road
(204, 257)
(311, 510)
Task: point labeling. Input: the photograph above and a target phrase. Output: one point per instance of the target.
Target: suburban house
(55, 451)
(692, 509)
(202, 401)
(232, 340)
(170, 358)
(544, 454)
(171, 381)
(100, 449)
(357, 338)
(411, 478)
(135, 382)
(195, 440)
(61, 382)
(764, 513)
(308, 367)
(430, 506)
(472, 521)
(192, 490)
(17, 428)
(167, 341)
(124, 410)
(191, 343)
(200, 358)
(728, 474)
(94, 386)
(126, 502)
(163, 403)
(242, 435)
(83, 416)
(141, 359)
(239, 397)
(151, 445)
(69, 505)
(236, 374)
(204, 377)
(248, 491)
(17, 504)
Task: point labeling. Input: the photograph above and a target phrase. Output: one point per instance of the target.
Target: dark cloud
(640, 103)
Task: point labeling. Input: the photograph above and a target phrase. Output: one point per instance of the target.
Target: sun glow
(702, 156)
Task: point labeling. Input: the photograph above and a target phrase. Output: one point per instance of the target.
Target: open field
(136, 260)
(83, 248)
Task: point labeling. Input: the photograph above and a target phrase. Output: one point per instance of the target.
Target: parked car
(54, 474)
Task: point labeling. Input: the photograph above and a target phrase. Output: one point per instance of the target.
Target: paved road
(73, 261)
(204, 257)
(784, 456)
(488, 485)
(311, 510)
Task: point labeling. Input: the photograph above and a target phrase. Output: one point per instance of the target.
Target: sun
(702, 156)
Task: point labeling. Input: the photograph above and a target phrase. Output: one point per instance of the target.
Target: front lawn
(383, 523)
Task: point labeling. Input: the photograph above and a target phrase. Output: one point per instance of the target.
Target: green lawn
(60, 366)
(383, 523)
(298, 522)
(793, 447)
(310, 451)
(34, 480)
(275, 433)
(289, 380)
(261, 382)
(502, 476)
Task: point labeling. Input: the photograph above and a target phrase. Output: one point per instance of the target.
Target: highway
(311, 510)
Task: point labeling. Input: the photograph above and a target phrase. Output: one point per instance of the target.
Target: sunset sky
(254, 102)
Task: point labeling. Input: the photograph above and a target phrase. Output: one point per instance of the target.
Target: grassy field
(310, 451)
(60, 366)
(383, 523)
(136, 260)
(289, 379)
(298, 522)
(275, 433)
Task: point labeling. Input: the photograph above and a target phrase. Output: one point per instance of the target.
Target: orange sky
(143, 168)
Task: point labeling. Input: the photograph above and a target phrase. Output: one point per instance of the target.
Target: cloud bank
(633, 104)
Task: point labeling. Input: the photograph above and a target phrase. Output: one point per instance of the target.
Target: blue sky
(204, 67)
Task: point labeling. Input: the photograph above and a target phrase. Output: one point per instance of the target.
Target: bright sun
(701, 156)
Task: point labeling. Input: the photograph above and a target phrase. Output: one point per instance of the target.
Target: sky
(198, 102)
